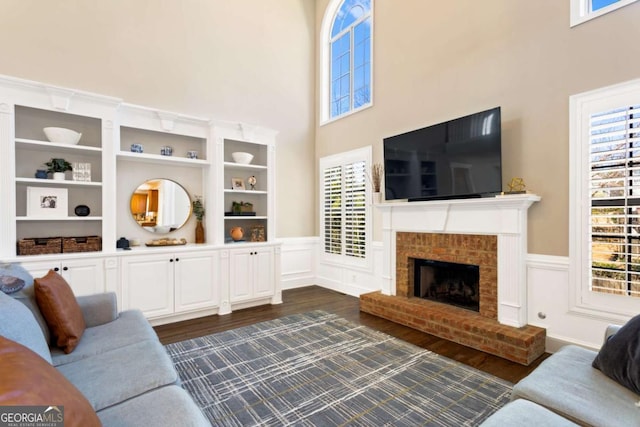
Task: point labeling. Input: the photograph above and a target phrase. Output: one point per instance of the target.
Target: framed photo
(237, 184)
(257, 233)
(47, 202)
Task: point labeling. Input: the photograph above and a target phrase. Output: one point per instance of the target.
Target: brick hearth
(477, 330)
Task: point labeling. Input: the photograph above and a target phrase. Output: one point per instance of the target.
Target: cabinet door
(41, 268)
(85, 276)
(240, 276)
(195, 284)
(147, 284)
(263, 273)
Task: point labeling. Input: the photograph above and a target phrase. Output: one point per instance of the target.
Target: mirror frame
(145, 212)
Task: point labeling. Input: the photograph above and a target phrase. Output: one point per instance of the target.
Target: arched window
(346, 36)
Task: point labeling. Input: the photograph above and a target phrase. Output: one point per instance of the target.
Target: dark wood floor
(316, 298)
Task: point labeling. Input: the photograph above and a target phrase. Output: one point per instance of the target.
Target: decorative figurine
(517, 186)
(252, 182)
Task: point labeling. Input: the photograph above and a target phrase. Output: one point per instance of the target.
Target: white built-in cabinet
(170, 283)
(86, 276)
(251, 274)
(166, 283)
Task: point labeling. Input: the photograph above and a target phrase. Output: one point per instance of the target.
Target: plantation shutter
(614, 189)
(355, 209)
(332, 210)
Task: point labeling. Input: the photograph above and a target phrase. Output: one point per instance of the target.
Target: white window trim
(356, 155)
(581, 300)
(580, 10)
(325, 65)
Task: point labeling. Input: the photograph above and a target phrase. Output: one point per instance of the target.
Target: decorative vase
(377, 197)
(199, 232)
(58, 176)
(237, 233)
(41, 174)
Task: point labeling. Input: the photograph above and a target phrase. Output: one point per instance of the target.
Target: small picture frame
(257, 233)
(47, 202)
(237, 184)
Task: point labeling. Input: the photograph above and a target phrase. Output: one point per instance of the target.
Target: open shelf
(159, 159)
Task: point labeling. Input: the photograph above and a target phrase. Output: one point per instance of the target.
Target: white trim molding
(582, 301)
(299, 261)
(581, 10)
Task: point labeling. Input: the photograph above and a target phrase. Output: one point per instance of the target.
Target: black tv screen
(459, 158)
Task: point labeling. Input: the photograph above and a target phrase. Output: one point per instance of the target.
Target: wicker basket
(40, 246)
(81, 244)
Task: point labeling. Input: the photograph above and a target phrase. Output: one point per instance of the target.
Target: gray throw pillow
(619, 357)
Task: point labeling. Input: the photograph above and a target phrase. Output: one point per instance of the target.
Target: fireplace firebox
(447, 282)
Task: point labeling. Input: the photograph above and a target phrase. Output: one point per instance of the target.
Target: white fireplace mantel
(503, 216)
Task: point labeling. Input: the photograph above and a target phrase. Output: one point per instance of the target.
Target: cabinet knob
(171, 260)
(177, 259)
(65, 268)
(56, 269)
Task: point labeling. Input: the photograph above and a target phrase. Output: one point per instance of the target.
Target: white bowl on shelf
(62, 135)
(242, 158)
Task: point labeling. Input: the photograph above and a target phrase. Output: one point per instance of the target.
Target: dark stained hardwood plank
(316, 298)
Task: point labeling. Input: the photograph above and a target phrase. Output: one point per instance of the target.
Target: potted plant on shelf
(198, 211)
(376, 181)
(57, 167)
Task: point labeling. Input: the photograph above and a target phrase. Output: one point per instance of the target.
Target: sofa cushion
(523, 413)
(167, 406)
(28, 380)
(98, 309)
(60, 309)
(129, 328)
(27, 296)
(18, 324)
(122, 373)
(568, 385)
(619, 357)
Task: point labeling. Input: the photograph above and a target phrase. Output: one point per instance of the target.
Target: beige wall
(240, 60)
(435, 61)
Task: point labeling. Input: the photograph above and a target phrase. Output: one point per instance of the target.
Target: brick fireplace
(488, 233)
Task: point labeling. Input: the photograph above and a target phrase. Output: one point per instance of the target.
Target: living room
(260, 63)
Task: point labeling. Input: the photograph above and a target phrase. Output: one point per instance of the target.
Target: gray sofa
(566, 390)
(119, 364)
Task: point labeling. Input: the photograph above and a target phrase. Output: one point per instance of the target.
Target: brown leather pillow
(60, 310)
(27, 379)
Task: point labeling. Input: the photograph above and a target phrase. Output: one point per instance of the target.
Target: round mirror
(160, 205)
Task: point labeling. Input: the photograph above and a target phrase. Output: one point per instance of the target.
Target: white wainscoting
(548, 305)
(298, 261)
(547, 289)
(352, 280)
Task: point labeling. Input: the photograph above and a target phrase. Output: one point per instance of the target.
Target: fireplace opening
(448, 283)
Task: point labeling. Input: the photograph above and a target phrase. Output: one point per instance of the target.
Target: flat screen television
(460, 158)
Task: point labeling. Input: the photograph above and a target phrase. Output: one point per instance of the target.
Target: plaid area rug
(317, 369)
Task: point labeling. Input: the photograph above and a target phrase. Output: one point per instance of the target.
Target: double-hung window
(605, 199)
(344, 207)
(346, 61)
(584, 10)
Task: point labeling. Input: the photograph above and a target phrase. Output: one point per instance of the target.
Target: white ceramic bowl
(62, 135)
(242, 157)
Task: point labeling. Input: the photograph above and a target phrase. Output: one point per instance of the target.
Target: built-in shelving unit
(260, 144)
(168, 283)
